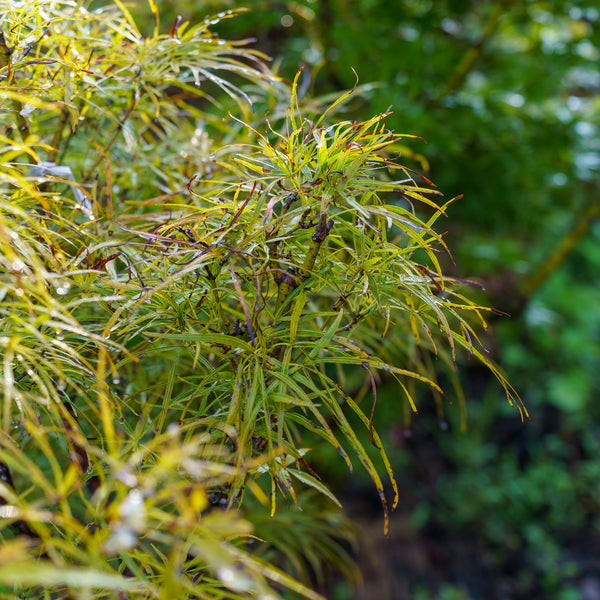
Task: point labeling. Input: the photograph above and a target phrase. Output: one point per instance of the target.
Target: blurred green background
(507, 96)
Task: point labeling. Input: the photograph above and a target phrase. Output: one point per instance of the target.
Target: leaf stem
(287, 282)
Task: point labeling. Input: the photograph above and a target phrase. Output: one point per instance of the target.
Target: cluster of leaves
(185, 294)
(466, 76)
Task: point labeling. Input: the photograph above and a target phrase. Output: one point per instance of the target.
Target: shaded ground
(431, 559)
(426, 563)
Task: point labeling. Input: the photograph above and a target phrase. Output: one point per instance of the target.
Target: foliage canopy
(188, 288)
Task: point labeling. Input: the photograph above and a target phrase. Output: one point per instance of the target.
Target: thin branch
(472, 55)
(561, 252)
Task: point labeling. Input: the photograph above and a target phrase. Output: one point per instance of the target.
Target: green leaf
(313, 482)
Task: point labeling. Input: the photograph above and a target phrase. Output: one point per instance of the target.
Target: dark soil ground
(439, 554)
